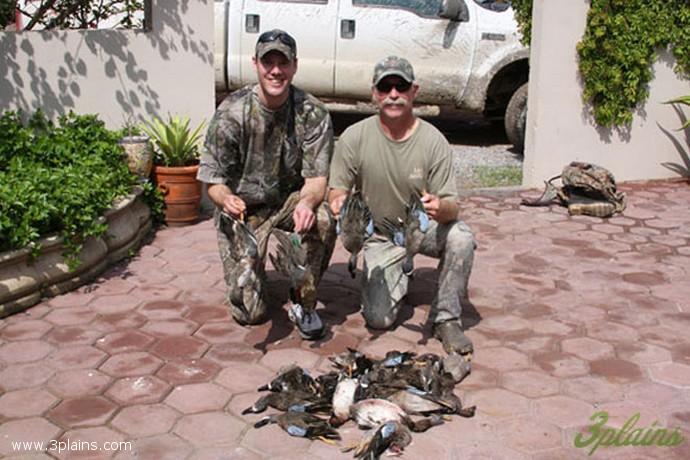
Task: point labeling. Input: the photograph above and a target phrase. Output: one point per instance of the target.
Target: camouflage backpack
(586, 189)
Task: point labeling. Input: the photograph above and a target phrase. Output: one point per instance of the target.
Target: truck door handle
(347, 28)
(251, 23)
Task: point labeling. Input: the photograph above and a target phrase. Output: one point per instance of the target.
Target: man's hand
(336, 198)
(432, 205)
(303, 217)
(235, 206)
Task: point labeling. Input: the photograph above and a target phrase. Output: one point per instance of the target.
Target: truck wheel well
(504, 83)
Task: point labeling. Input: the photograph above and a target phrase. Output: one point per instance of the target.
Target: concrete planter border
(23, 281)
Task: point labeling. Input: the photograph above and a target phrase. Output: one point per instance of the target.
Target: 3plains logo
(628, 435)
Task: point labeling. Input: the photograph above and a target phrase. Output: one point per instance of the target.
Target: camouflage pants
(319, 240)
(384, 284)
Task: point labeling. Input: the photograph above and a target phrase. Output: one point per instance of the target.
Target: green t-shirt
(388, 172)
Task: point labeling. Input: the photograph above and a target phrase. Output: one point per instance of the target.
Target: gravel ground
(467, 158)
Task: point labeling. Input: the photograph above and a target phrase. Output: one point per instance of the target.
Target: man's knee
(460, 240)
(377, 320)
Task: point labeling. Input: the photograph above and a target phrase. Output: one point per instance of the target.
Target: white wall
(559, 129)
(168, 69)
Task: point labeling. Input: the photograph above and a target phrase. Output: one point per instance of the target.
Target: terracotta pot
(139, 155)
(182, 193)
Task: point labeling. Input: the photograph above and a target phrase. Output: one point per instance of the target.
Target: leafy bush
(6, 12)
(58, 178)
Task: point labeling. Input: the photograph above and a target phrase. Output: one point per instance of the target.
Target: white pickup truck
(466, 53)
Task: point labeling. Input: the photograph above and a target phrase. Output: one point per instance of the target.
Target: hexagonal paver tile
(187, 371)
(506, 324)
(80, 412)
(20, 376)
(497, 402)
(501, 358)
(674, 374)
(209, 429)
(616, 370)
(642, 353)
(25, 430)
(279, 359)
(118, 321)
(161, 447)
(563, 411)
(25, 330)
(620, 412)
(587, 349)
(272, 441)
(78, 382)
(163, 309)
(122, 341)
(232, 353)
(221, 332)
(144, 389)
(550, 326)
(654, 393)
(532, 384)
(241, 378)
(612, 332)
(110, 304)
(25, 403)
(71, 316)
(81, 357)
(171, 348)
(528, 435)
(231, 452)
(131, 364)
(72, 335)
(378, 347)
(203, 314)
(561, 364)
(24, 351)
(170, 327)
(595, 390)
(145, 420)
(198, 397)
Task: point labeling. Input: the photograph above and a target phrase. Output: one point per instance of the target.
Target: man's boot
(453, 339)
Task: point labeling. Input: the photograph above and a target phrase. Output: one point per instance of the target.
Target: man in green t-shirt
(388, 157)
(266, 161)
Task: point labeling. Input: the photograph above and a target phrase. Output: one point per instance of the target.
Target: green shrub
(58, 178)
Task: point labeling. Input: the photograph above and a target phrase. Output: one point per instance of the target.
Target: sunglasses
(281, 36)
(387, 86)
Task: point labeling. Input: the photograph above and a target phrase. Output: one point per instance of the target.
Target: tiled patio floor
(570, 316)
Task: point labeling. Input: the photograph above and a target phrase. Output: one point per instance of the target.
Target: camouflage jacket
(264, 155)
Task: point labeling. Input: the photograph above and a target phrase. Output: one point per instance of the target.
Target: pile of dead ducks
(389, 397)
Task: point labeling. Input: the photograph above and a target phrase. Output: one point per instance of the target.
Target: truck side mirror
(455, 10)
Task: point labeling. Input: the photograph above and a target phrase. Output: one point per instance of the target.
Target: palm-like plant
(685, 100)
(174, 142)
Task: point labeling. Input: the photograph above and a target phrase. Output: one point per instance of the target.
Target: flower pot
(139, 155)
(181, 191)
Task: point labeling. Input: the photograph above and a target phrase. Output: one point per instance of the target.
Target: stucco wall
(168, 69)
(559, 128)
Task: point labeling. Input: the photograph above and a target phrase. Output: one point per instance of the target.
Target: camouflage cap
(393, 65)
(276, 40)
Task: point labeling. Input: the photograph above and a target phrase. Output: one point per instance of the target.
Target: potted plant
(176, 159)
(137, 149)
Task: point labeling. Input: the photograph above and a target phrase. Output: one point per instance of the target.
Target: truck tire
(516, 118)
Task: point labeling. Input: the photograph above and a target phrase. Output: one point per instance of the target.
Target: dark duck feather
(301, 424)
(409, 231)
(354, 227)
(291, 260)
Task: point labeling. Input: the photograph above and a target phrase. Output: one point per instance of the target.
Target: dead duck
(352, 363)
(296, 401)
(409, 231)
(343, 397)
(244, 250)
(374, 412)
(354, 226)
(392, 436)
(302, 424)
(290, 379)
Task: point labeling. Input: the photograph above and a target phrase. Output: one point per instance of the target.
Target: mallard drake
(292, 378)
(354, 226)
(301, 424)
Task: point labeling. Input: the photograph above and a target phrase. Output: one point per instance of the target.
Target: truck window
(426, 8)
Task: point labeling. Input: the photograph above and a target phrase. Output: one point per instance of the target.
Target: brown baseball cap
(276, 40)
